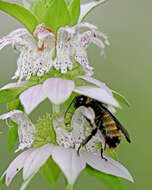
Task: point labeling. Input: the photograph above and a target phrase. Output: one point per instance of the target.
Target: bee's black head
(80, 101)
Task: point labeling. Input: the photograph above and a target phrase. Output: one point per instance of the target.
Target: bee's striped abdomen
(112, 133)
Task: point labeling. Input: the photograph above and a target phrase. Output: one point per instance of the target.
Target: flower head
(37, 56)
(71, 46)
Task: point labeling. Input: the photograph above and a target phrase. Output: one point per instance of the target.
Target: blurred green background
(127, 68)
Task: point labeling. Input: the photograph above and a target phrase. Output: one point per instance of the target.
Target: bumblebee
(104, 121)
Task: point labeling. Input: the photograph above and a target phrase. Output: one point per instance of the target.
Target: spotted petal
(58, 90)
(109, 167)
(36, 159)
(32, 97)
(70, 163)
(26, 129)
(99, 94)
(16, 166)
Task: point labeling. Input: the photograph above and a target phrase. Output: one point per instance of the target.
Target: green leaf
(120, 98)
(74, 10)
(9, 94)
(21, 14)
(50, 171)
(40, 9)
(2, 179)
(57, 15)
(15, 105)
(112, 182)
(12, 135)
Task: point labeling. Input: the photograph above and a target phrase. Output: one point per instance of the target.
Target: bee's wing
(118, 124)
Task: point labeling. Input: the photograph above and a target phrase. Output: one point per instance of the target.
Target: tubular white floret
(37, 56)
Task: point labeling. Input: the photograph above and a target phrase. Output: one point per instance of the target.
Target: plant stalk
(69, 187)
(55, 108)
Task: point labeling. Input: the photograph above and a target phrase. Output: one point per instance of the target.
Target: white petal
(10, 114)
(87, 112)
(4, 43)
(13, 84)
(63, 138)
(98, 43)
(58, 90)
(36, 159)
(19, 32)
(26, 129)
(10, 38)
(85, 25)
(109, 167)
(45, 34)
(86, 8)
(32, 97)
(96, 82)
(97, 93)
(78, 124)
(70, 163)
(62, 30)
(16, 166)
(82, 129)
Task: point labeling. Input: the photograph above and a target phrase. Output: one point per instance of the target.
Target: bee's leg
(101, 130)
(102, 155)
(87, 139)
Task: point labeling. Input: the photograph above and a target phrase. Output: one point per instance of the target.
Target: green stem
(69, 187)
(56, 108)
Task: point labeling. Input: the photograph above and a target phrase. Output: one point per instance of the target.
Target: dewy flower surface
(53, 63)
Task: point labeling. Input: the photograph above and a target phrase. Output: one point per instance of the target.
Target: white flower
(26, 129)
(67, 159)
(71, 46)
(35, 56)
(58, 90)
(65, 153)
